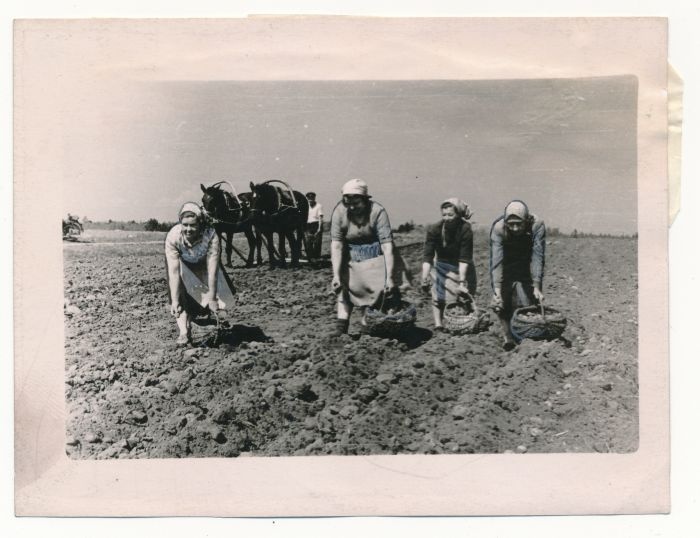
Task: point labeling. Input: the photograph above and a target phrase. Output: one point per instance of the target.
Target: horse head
(260, 199)
(213, 200)
(223, 205)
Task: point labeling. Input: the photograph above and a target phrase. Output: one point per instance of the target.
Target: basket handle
(474, 305)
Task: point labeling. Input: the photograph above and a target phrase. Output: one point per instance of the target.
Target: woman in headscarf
(517, 244)
(362, 252)
(198, 284)
(448, 258)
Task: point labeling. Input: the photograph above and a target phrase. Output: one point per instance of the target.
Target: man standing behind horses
(517, 245)
(314, 228)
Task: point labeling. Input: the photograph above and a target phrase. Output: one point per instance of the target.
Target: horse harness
(281, 205)
(227, 200)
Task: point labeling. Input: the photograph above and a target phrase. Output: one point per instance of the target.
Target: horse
(230, 214)
(279, 209)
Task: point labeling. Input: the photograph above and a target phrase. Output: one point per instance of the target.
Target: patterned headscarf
(460, 206)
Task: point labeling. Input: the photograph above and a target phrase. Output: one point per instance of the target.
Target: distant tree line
(405, 227)
(152, 225)
(576, 234)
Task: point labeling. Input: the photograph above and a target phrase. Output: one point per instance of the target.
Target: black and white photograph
(369, 256)
(355, 267)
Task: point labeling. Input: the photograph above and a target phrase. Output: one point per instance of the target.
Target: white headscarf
(355, 187)
(190, 207)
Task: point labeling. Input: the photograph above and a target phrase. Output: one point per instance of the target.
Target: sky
(567, 146)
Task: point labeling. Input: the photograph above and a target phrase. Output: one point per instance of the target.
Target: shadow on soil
(233, 336)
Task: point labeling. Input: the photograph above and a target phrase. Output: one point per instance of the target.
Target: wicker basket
(390, 323)
(537, 323)
(459, 318)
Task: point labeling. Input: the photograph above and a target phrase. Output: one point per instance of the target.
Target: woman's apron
(193, 273)
(364, 274)
(195, 280)
(445, 283)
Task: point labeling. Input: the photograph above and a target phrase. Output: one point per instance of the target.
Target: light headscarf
(190, 207)
(460, 206)
(355, 187)
(516, 209)
(462, 211)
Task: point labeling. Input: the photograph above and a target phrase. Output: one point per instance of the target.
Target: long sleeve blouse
(450, 247)
(517, 258)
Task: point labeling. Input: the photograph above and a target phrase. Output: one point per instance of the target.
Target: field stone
(169, 387)
(386, 378)
(459, 412)
(366, 394)
(139, 416)
(348, 411)
(521, 449)
(270, 393)
(92, 437)
(72, 310)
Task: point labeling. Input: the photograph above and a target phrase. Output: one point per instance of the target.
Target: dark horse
(276, 208)
(230, 214)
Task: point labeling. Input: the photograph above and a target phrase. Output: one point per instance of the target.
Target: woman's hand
(537, 292)
(175, 309)
(212, 303)
(389, 284)
(497, 302)
(336, 286)
(462, 289)
(425, 277)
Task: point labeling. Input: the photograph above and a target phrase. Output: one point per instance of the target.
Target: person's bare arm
(336, 261)
(388, 251)
(463, 268)
(174, 284)
(213, 255)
